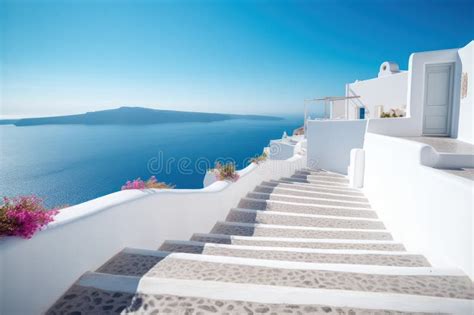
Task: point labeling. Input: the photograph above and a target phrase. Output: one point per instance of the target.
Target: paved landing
(445, 144)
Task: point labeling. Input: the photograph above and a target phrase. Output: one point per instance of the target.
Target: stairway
(305, 244)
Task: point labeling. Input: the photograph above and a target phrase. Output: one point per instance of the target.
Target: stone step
(96, 293)
(252, 229)
(132, 262)
(328, 176)
(293, 207)
(294, 191)
(333, 256)
(315, 188)
(303, 182)
(369, 278)
(319, 172)
(297, 219)
(299, 243)
(306, 199)
(315, 182)
(324, 178)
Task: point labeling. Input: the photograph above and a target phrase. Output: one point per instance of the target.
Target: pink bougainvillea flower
(152, 182)
(23, 216)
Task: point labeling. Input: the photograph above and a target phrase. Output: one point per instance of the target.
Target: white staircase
(307, 244)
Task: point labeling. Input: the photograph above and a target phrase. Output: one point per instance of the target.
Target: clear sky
(60, 57)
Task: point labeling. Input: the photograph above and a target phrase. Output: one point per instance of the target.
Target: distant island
(131, 116)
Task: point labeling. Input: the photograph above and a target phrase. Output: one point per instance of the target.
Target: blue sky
(60, 57)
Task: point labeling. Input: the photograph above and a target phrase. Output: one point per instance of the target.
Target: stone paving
(246, 203)
(319, 210)
(363, 259)
(129, 264)
(307, 200)
(282, 219)
(445, 144)
(453, 146)
(447, 286)
(319, 181)
(320, 245)
(310, 187)
(85, 300)
(326, 179)
(106, 302)
(275, 188)
(228, 229)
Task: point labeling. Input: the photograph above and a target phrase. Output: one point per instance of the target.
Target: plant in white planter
(220, 171)
(259, 158)
(393, 113)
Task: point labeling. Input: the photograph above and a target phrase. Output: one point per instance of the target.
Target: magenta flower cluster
(135, 184)
(152, 182)
(23, 216)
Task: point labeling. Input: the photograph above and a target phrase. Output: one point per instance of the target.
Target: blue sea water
(70, 164)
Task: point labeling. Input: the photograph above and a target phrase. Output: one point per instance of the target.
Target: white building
(394, 235)
(434, 96)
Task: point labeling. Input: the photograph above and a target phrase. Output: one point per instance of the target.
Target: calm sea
(69, 164)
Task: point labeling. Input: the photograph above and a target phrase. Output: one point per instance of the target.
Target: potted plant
(221, 171)
(393, 113)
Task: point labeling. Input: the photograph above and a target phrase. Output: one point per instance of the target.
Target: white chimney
(388, 68)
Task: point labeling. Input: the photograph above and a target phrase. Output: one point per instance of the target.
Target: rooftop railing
(333, 108)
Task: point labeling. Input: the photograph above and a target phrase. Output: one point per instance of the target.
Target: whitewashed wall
(283, 149)
(402, 127)
(413, 124)
(331, 141)
(389, 91)
(35, 272)
(466, 110)
(429, 210)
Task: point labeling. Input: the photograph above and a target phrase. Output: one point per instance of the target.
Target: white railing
(332, 108)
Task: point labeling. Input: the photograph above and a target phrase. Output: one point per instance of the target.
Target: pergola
(330, 111)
